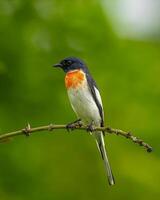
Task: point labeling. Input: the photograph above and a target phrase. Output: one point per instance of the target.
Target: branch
(28, 131)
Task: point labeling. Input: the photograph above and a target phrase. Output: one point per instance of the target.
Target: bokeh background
(120, 42)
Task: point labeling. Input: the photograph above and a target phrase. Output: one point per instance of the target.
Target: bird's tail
(101, 146)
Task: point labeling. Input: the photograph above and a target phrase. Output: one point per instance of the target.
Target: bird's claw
(73, 125)
(90, 127)
(70, 127)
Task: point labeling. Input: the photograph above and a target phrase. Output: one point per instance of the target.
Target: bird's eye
(68, 62)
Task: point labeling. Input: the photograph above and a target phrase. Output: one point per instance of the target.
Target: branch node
(135, 140)
(109, 130)
(140, 142)
(149, 149)
(27, 130)
(128, 135)
(117, 132)
(50, 127)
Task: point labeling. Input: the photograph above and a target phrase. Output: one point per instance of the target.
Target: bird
(86, 102)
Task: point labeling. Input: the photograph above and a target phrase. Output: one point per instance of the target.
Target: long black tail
(101, 146)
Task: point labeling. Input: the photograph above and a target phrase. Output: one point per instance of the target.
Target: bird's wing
(96, 96)
(98, 135)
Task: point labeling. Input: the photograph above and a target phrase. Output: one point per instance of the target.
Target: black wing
(92, 85)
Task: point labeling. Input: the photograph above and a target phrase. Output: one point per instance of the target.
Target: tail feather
(101, 146)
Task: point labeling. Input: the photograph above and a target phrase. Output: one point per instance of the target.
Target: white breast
(84, 105)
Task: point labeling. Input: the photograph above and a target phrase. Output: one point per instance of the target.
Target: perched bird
(86, 102)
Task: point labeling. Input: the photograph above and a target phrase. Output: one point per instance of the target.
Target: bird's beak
(57, 65)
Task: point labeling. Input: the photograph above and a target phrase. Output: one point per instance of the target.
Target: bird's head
(71, 63)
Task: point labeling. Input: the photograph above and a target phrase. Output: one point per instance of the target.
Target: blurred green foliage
(35, 34)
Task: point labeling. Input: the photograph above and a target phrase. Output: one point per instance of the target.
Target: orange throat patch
(74, 79)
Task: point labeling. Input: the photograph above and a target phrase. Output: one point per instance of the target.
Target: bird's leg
(72, 125)
(90, 127)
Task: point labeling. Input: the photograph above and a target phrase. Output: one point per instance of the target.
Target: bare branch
(28, 131)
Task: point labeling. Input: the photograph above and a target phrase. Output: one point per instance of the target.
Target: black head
(71, 63)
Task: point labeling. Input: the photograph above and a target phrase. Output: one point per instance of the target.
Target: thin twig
(28, 131)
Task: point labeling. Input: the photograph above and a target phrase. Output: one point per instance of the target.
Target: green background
(33, 36)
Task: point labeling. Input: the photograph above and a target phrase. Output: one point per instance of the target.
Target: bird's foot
(90, 127)
(71, 126)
